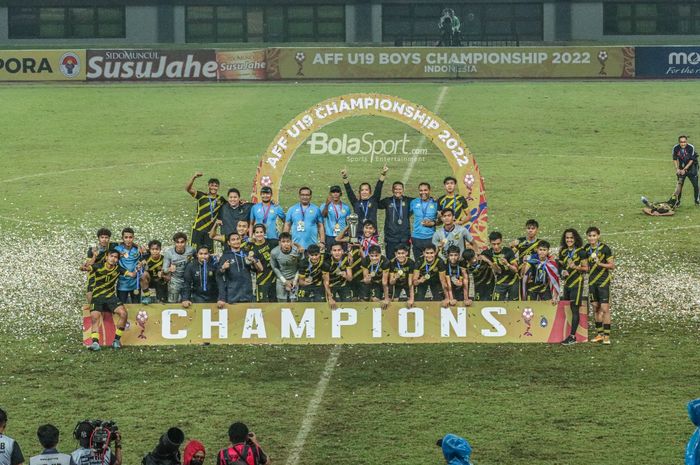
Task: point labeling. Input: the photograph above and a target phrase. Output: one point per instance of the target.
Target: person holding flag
(266, 212)
(540, 279)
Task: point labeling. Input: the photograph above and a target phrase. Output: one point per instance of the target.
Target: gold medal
(400, 272)
(427, 276)
(372, 274)
(336, 229)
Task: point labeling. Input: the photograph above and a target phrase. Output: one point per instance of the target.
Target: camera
(96, 434)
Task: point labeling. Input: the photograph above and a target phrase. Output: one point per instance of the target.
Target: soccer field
(76, 158)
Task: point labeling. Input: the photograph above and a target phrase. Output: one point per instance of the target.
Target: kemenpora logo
(70, 64)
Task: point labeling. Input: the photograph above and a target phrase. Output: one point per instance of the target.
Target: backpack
(242, 456)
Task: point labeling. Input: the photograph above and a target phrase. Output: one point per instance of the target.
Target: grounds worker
(686, 161)
(10, 452)
(48, 437)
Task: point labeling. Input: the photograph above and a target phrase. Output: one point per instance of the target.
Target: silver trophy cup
(352, 221)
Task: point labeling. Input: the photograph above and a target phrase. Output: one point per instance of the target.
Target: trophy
(352, 220)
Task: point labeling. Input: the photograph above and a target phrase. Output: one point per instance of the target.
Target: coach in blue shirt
(266, 212)
(424, 210)
(304, 221)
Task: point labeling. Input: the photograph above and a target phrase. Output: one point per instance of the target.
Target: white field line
(412, 163)
(312, 408)
(105, 167)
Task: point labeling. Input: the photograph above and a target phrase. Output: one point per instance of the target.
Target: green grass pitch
(75, 158)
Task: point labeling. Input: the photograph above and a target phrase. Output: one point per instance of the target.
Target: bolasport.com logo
(368, 147)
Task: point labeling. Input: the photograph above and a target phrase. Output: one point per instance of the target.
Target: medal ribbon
(204, 276)
(375, 269)
(364, 204)
(266, 213)
(337, 214)
(398, 210)
(212, 207)
(449, 268)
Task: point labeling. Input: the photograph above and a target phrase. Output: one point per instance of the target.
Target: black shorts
(372, 291)
(435, 290)
(599, 294)
(506, 292)
(201, 238)
(108, 304)
(342, 293)
(483, 292)
(574, 294)
(267, 292)
(397, 290)
(311, 294)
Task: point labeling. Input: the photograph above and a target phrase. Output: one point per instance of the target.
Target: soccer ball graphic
(602, 56)
(266, 181)
(300, 57)
(141, 317)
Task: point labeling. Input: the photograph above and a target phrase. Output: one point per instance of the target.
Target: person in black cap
(334, 214)
(366, 206)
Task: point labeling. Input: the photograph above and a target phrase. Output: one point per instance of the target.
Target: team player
(285, 260)
(104, 296)
(174, 261)
(424, 211)
(337, 275)
(573, 263)
(208, 207)
(451, 234)
(601, 262)
(305, 222)
(366, 206)
(153, 283)
(526, 247)
(457, 276)
(335, 214)
(375, 276)
(453, 201)
(430, 275)
(200, 279)
(401, 270)
(95, 255)
(541, 276)
(10, 452)
(504, 265)
(268, 213)
(128, 286)
(234, 276)
(481, 273)
(265, 282)
(311, 276)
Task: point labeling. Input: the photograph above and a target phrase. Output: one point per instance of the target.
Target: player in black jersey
(375, 276)
(573, 263)
(453, 201)
(401, 270)
(526, 247)
(430, 274)
(154, 286)
(311, 276)
(481, 273)
(457, 278)
(541, 276)
(504, 266)
(96, 255)
(265, 280)
(337, 274)
(104, 296)
(208, 207)
(601, 262)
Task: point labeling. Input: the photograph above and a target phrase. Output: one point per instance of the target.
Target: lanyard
(398, 265)
(212, 206)
(449, 270)
(238, 254)
(397, 210)
(427, 267)
(424, 208)
(265, 212)
(570, 253)
(303, 213)
(365, 208)
(375, 269)
(337, 264)
(593, 249)
(337, 214)
(204, 276)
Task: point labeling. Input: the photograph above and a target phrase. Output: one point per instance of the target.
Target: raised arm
(190, 184)
(352, 198)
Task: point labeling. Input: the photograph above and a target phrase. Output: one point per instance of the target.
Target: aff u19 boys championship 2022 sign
(356, 323)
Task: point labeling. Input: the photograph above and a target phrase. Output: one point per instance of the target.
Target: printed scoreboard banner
(357, 323)
(433, 62)
(42, 65)
(668, 62)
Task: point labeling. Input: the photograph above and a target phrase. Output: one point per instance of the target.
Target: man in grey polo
(175, 260)
(285, 259)
(48, 437)
(10, 452)
(452, 234)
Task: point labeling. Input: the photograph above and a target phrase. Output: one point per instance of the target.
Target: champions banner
(441, 62)
(42, 65)
(357, 323)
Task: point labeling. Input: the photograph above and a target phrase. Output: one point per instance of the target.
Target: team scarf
(367, 243)
(544, 270)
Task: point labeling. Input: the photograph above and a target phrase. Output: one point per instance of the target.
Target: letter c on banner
(487, 313)
(337, 321)
(167, 324)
